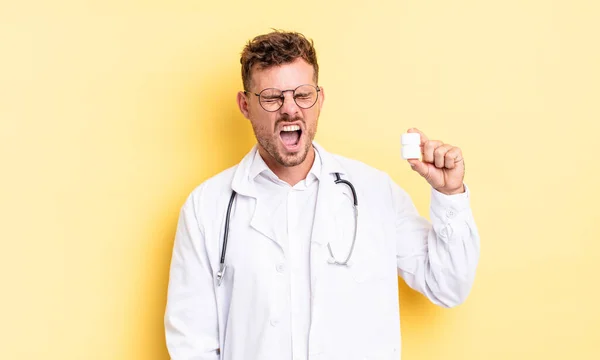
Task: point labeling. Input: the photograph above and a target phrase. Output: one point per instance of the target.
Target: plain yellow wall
(111, 112)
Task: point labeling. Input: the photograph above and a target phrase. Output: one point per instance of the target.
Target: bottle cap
(411, 139)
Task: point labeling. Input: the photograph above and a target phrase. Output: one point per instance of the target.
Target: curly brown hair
(276, 48)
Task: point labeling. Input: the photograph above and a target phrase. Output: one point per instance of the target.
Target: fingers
(441, 155)
(452, 158)
(435, 152)
(429, 148)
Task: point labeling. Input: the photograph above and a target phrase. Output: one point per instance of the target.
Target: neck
(290, 174)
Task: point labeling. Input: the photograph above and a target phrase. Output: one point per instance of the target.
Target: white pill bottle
(411, 146)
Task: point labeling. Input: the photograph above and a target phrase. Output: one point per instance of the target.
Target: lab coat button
(450, 213)
(274, 322)
(280, 268)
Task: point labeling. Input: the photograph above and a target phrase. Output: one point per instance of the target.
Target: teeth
(291, 128)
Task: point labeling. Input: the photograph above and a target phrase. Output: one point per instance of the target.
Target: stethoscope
(332, 259)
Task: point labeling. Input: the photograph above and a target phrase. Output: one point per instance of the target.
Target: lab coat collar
(328, 198)
(243, 180)
(259, 167)
(329, 164)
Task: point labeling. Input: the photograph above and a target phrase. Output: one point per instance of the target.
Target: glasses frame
(283, 96)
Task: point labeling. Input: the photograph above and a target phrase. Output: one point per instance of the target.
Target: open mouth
(290, 136)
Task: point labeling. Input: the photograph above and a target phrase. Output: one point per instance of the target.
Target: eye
(271, 99)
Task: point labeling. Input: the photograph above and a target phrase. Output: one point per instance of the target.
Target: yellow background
(111, 112)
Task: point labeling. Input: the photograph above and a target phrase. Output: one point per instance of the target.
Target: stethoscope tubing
(338, 180)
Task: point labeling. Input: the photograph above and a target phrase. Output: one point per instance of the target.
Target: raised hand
(442, 165)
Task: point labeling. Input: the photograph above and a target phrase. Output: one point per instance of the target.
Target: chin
(282, 156)
(291, 160)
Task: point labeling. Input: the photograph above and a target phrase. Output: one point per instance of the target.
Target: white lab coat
(354, 310)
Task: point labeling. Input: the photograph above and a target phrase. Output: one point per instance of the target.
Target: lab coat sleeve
(437, 258)
(191, 325)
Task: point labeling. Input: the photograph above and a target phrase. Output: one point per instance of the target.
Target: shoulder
(361, 171)
(210, 191)
(371, 181)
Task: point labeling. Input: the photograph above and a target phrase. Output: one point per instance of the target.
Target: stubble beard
(269, 141)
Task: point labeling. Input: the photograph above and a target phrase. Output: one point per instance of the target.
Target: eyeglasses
(271, 99)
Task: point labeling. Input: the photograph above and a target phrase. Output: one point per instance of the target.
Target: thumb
(419, 167)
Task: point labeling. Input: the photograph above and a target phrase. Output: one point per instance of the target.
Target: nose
(289, 106)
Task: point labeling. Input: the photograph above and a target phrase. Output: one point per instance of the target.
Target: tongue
(290, 138)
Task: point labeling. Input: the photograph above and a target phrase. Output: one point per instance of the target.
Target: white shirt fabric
(273, 303)
(293, 213)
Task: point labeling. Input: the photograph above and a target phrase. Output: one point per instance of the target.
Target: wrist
(459, 190)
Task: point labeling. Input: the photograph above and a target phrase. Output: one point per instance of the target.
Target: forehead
(285, 76)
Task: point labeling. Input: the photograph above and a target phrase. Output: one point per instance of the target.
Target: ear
(242, 102)
(321, 97)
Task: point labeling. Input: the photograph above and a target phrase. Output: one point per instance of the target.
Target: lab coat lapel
(261, 220)
(329, 198)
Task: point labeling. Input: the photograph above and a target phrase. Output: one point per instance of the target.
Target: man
(302, 276)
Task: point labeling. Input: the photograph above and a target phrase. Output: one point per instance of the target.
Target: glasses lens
(271, 99)
(305, 96)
